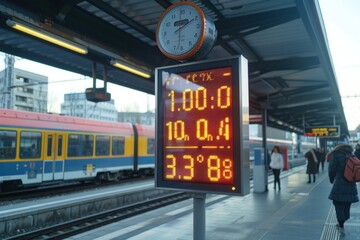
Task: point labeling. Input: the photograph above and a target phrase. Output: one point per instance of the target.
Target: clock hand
(177, 30)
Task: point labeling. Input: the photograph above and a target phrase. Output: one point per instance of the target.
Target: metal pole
(94, 75)
(264, 137)
(199, 216)
(105, 78)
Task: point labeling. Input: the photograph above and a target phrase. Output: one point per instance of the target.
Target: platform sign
(323, 131)
(202, 127)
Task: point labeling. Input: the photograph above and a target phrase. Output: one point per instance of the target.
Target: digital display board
(201, 108)
(323, 131)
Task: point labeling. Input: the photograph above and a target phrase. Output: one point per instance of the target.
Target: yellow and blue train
(40, 148)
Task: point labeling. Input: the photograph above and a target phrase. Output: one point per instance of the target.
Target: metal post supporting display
(199, 216)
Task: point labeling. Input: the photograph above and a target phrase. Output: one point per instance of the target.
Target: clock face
(181, 30)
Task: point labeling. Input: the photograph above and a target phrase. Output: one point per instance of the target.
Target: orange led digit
(227, 173)
(202, 129)
(190, 167)
(172, 104)
(213, 168)
(171, 166)
(187, 97)
(199, 126)
(224, 92)
(200, 93)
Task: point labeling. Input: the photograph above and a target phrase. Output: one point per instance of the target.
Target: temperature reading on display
(197, 129)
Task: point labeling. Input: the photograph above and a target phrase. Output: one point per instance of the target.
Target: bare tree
(131, 107)
(53, 103)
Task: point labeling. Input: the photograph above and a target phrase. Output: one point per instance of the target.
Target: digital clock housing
(202, 126)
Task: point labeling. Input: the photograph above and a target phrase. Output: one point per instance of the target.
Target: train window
(102, 145)
(73, 145)
(7, 144)
(118, 145)
(151, 146)
(30, 144)
(80, 145)
(49, 146)
(60, 142)
(88, 145)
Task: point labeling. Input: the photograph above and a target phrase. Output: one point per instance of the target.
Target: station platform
(299, 211)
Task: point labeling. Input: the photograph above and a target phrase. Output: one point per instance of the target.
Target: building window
(21, 99)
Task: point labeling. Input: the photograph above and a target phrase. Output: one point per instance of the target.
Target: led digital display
(198, 130)
(332, 131)
(199, 126)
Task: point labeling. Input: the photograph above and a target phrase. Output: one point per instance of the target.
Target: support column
(264, 137)
(199, 216)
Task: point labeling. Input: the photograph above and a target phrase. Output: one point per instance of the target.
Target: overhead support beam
(122, 18)
(300, 63)
(252, 23)
(65, 8)
(280, 82)
(164, 3)
(268, 83)
(246, 50)
(226, 46)
(303, 100)
(284, 124)
(300, 90)
(320, 109)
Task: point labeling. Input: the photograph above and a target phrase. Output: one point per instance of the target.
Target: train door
(53, 157)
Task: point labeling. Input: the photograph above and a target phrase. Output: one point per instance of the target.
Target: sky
(341, 19)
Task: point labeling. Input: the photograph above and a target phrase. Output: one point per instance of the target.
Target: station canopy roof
(290, 67)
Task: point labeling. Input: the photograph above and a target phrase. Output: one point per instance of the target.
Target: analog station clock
(184, 32)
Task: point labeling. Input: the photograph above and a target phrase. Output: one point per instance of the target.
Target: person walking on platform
(317, 154)
(276, 164)
(357, 151)
(312, 166)
(322, 158)
(343, 193)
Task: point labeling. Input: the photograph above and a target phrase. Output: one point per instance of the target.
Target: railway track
(84, 224)
(56, 190)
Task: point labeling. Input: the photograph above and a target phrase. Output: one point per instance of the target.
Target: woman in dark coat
(343, 193)
(311, 168)
(357, 151)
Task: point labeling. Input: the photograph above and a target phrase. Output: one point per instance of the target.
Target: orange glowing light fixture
(47, 36)
(131, 69)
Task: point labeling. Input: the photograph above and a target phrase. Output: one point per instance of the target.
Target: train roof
(15, 118)
(145, 130)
